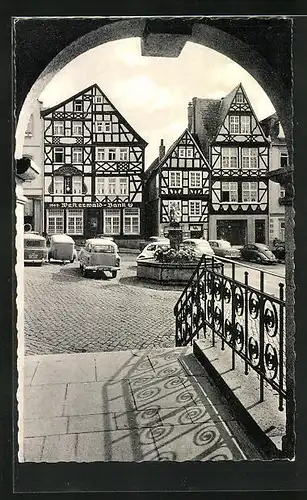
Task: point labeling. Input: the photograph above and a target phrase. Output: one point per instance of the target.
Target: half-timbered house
(238, 152)
(180, 177)
(93, 170)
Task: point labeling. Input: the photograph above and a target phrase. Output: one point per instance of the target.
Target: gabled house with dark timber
(93, 170)
(181, 177)
(237, 150)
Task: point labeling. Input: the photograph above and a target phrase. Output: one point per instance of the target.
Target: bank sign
(106, 204)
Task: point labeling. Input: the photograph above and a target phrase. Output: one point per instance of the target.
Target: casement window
(58, 155)
(234, 124)
(194, 207)
(283, 160)
(100, 185)
(104, 126)
(195, 179)
(74, 221)
(112, 185)
(250, 192)
(239, 98)
(77, 155)
(123, 154)
(123, 185)
(281, 229)
(30, 127)
(55, 221)
(249, 157)
(175, 179)
(229, 158)
(239, 124)
(77, 184)
(282, 192)
(100, 154)
(58, 128)
(58, 184)
(131, 221)
(111, 221)
(229, 192)
(98, 99)
(112, 154)
(185, 152)
(77, 128)
(78, 105)
(245, 124)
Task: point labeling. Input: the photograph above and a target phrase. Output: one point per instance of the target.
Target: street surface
(65, 313)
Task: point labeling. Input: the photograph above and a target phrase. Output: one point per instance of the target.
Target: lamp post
(284, 177)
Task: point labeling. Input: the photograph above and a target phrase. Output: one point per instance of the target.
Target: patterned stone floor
(126, 406)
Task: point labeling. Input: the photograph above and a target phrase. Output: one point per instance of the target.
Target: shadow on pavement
(73, 274)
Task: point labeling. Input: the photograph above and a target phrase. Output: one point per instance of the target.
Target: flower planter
(166, 273)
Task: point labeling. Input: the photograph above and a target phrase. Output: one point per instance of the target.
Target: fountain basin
(164, 272)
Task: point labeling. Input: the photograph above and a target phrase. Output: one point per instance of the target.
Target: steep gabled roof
(46, 111)
(157, 164)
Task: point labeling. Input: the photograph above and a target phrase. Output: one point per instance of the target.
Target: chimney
(161, 150)
(190, 117)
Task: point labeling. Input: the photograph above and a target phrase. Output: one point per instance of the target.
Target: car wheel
(258, 259)
(83, 272)
(113, 274)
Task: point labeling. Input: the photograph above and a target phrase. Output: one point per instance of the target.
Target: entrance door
(93, 222)
(259, 231)
(233, 231)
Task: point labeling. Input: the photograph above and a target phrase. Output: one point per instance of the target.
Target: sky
(153, 93)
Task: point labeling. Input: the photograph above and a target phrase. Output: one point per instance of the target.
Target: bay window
(111, 218)
(195, 179)
(249, 192)
(175, 179)
(194, 207)
(229, 192)
(55, 221)
(229, 158)
(249, 158)
(74, 221)
(131, 221)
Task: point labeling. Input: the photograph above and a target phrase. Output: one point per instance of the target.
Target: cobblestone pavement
(66, 313)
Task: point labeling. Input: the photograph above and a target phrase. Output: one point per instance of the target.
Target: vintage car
(223, 248)
(153, 239)
(62, 247)
(35, 249)
(98, 256)
(149, 251)
(201, 247)
(258, 252)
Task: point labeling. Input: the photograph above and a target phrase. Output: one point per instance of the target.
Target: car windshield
(103, 249)
(225, 244)
(34, 243)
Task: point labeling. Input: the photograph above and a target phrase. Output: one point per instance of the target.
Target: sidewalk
(127, 406)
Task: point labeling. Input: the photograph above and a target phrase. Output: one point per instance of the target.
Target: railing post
(261, 343)
(246, 274)
(233, 270)
(233, 320)
(212, 299)
(281, 346)
(223, 306)
(261, 281)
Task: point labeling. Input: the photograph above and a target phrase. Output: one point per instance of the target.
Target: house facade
(93, 170)
(279, 158)
(33, 189)
(179, 178)
(237, 149)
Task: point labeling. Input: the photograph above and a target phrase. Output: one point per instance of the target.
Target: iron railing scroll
(246, 319)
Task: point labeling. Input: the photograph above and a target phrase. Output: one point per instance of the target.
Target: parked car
(62, 247)
(149, 251)
(223, 248)
(35, 249)
(99, 255)
(153, 239)
(279, 251)
(200, 246)
(258, 252)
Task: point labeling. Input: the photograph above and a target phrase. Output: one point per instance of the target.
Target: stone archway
(202, 34)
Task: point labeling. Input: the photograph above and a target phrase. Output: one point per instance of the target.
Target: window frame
(73, 182)
(58, 179)
(283, 155)
(103, 184)
(74, 124)
(74, 216)
(55, 214)
(250, 158)
(131, 218)
(77, 102)
(107, 214)
(112, 151)
(195, 203)
(58, 124)
(74, 151)
(234, 122)
(195, 174)
(124, 151)
(230, 157)
(99, 150)
(250, 190)
(175, 173)
(56, 151)
(248, 130)
(229, 191)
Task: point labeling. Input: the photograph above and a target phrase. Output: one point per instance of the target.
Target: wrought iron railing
(246, 319)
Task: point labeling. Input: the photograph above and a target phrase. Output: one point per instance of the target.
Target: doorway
(259, 231)
(234, 231)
